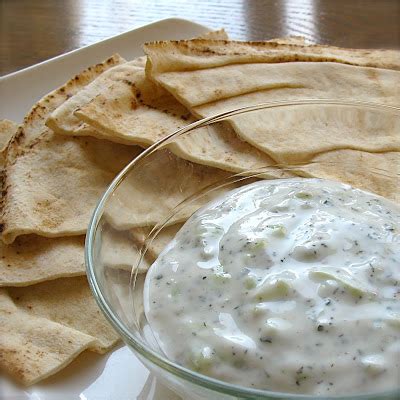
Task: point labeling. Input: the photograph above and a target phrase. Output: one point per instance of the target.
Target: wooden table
(35, 30)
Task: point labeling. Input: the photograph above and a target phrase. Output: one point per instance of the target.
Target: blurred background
(35, 30)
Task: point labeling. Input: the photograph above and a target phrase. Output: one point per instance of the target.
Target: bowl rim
(153, 356)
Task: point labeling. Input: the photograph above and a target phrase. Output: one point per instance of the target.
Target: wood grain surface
(35, 30)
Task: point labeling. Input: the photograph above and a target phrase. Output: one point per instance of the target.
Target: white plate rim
(107, 40)
(47, 75)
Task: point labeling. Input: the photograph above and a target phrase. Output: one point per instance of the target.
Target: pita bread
(219, 34)
(44, 327)
(120, 252)
(235, 86)
(32, 259)
(138, 62)
(60, 203)
(7, 131)
(140, 112)
(52, 183)
(199, 87)
(295, 134)
(63, 121)
(155, 191)
(33, 125)
(188, 55)
(134, 111)
(374, 172)
(291, 39)
(52, 189)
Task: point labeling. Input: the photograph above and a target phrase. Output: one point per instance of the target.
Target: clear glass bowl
(158, 189)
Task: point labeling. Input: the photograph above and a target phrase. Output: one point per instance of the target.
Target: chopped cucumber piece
(272, 290)
(250, 282)
(278, 230)
(175, 291)
(220, 276)
(353, 285)
(259, 244)
(202, 359)
(303, 195)
(374, 363)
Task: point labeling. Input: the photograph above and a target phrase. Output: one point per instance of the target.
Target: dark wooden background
(35, 30)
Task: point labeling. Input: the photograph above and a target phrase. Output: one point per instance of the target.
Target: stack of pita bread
(73, 142)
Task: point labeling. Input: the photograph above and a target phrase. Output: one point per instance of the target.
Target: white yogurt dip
(286, 285)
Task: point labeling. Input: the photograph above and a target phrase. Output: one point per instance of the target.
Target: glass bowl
(145, 203)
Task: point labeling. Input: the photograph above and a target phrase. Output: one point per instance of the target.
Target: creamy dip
(287, 285)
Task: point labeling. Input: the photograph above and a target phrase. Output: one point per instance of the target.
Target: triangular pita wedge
(292, 135)
(54, 183)
(32, 259)
(297, 133)
(33, 125)
(141, 112)
(199, 87)
(52, 189)
(186, 55)
(134, 111)
(51, 182)
(44, 327)
(62, 120)
(138, 111)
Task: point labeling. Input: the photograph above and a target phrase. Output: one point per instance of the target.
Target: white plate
(119, 375)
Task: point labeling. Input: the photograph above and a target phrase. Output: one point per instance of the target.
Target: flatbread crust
(209, 83)
(32, 259)
(375, 172)
(51, 182)
(137, 111)
(44, 327)
(62, 120)
(7, 131)
(188, 55)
